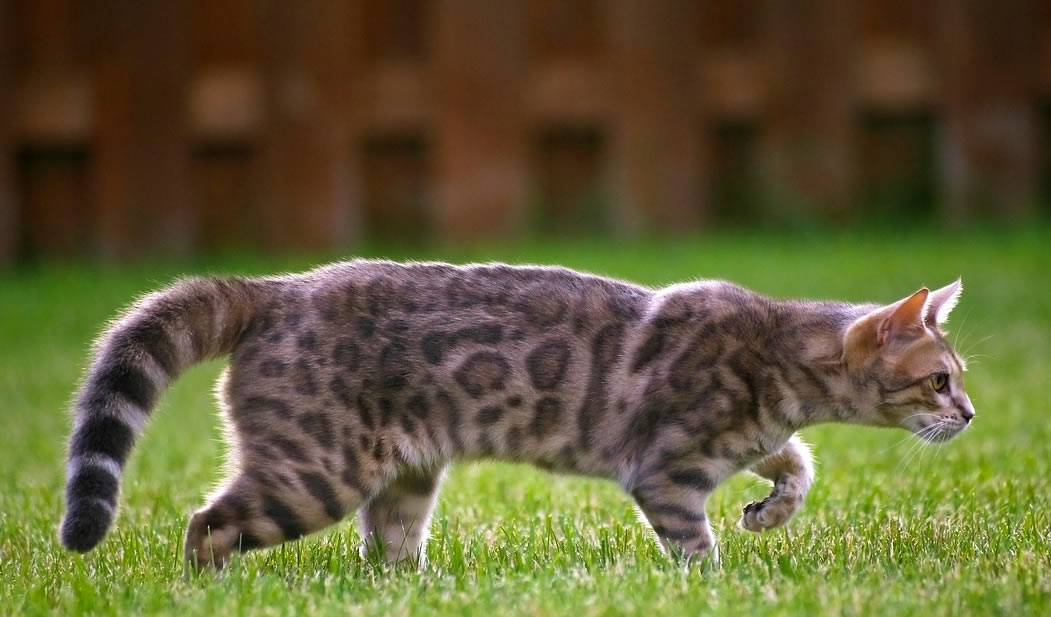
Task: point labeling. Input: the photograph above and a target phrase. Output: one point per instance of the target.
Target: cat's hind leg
(396, 522)
(264, 508)
(791, 469)
(299, 468)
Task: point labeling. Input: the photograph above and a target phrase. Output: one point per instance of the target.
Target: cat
(353, 386)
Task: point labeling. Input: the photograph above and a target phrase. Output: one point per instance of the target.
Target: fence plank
(141, 148)
(989, 145)
(294, 102)
(808, 158)
(479, 72)
(307, 197)
(9, 224)
(656, 129)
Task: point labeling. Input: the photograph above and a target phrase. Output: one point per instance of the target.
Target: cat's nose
(965, 408)
(963, 405)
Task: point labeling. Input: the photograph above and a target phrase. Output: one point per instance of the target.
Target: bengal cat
(353, 386)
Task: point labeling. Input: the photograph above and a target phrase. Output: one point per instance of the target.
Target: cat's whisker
(898, 443)
(915, 415)
(902, 424)
(936, 442)
(903, 464)
(959, 332)
(922, 453)
(917, 447)
(895, 444)
(975, 344)
(914, 448)
(930, 431)
(939, 451)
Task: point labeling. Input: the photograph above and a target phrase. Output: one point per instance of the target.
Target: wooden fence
(172, 125)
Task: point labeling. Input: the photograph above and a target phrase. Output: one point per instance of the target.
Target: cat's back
(415, 292)
(427, 306)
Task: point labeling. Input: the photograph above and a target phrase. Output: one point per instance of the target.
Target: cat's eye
(940, 382)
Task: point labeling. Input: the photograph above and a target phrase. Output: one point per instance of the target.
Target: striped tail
(134, 361)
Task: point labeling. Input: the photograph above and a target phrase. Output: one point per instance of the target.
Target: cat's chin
(938, 431)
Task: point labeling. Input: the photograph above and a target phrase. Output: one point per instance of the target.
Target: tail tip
(85, 524)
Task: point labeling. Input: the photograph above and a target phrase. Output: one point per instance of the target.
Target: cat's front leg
(792, 471)
(395, 523)
(673, 503)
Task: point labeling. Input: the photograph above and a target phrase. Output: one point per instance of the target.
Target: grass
(887, 530)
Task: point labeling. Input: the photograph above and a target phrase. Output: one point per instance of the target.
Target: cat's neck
(821, 389)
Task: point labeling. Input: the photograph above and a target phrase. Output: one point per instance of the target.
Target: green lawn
(889, 529)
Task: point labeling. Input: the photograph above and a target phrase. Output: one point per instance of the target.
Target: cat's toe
(750, 518)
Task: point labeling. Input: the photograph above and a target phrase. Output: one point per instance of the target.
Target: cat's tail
(138, 356)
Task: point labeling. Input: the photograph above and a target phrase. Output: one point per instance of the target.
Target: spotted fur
(351, 388)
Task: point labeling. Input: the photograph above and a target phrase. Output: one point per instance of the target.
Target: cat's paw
(750, 516)
(772, 512)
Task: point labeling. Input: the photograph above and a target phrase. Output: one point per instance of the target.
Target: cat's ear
(901, 321)
(942, 302)
(905, 319)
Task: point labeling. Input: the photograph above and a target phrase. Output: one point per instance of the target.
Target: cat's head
(907, 371)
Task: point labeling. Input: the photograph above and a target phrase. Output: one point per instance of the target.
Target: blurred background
(177, 127)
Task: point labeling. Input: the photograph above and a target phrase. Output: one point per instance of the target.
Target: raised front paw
(774, 511)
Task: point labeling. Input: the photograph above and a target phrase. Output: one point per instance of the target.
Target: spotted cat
(352, 387)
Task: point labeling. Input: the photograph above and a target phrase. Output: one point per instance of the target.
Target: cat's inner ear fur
(899, 322)
(906, 321)
(942, 302)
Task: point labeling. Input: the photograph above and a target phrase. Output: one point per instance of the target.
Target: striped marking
(320, 489)
(678, 534)
(153, 338)
(668, 509)
(92, 482)
(104, 435)
(124, 380)
(693, 478)
(248, 542)
(283, 516)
